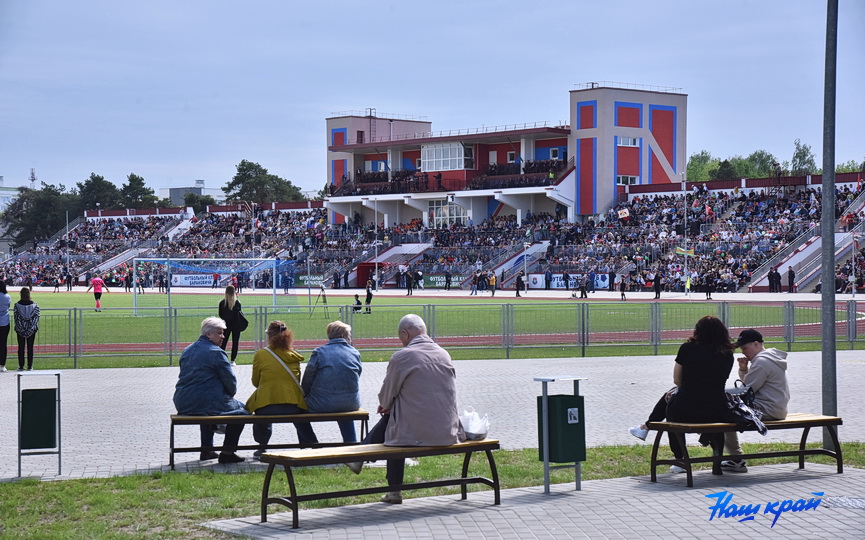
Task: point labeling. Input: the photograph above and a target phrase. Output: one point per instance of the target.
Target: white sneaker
(638, 432)
(355, 466)
(2, 369)
(233, 363)
(675, 469)
(392, 497)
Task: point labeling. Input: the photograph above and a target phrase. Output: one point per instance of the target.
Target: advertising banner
(311, 280)
(536, 281)
(191, 280)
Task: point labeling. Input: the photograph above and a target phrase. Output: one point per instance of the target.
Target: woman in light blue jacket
(331, 380)
(5, 303)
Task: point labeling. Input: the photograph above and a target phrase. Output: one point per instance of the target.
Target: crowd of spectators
(731, 234)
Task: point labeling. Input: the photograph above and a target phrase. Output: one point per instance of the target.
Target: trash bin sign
(38, 418)
(567, 429)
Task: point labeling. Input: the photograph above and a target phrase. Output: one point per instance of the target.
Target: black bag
(241, 323)
(744, 392)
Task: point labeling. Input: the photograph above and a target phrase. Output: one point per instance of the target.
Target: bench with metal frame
(793, 421)
(189, 420)
(372, 452)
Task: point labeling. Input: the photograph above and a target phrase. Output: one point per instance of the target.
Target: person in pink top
(97, 285)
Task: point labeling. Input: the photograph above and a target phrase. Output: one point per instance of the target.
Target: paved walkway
(617, 508)
(131, 435)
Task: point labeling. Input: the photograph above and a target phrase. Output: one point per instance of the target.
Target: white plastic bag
(474, 426)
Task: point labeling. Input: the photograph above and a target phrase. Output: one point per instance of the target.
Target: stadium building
(395, 169)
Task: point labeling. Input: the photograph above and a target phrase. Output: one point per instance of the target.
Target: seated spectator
(276, 377)
(702, 366)
(767, 377)
(331, 381)
(206, 387)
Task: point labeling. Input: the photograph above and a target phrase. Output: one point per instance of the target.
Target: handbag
(745, 392)
(241, 323)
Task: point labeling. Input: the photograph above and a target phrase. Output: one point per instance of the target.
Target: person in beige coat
(417, 400)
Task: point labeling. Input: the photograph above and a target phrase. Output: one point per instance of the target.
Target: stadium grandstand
(603, 196)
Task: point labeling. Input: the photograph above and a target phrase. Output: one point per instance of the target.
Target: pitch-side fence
(85, 338)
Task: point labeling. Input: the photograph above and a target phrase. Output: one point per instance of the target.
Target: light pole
(685, 235)
(98, 210)
(526, 246)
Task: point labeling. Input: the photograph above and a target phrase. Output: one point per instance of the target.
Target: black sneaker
(204, 456)
(734, 466)
(230, 458)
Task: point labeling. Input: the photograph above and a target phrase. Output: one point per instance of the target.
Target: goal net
(167, 282)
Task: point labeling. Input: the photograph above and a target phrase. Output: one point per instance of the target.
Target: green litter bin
(567, 428)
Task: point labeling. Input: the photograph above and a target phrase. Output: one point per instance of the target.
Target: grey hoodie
(767, 376)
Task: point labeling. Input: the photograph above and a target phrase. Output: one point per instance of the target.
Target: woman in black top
(703, 364)
(229, 309)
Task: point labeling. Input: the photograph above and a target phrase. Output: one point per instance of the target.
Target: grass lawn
(173, 505)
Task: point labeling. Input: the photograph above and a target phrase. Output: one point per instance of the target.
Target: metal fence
(79, 337)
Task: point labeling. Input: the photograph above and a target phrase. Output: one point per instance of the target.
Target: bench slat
(793, 420)
(359, 414)
(370, 452)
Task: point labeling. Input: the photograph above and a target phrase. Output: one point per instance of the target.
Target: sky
(176, 91)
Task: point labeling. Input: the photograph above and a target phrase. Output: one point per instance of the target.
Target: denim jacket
(207, 384)
(331, 378)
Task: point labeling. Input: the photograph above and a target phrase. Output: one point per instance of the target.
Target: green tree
(38, 213)
(97, 189)
(253, 183)
(742, 167)
(850, 166)
(725, 171)
(198, 202)
(804, 161)
(699, 166)
(134, 194)
(762, 164)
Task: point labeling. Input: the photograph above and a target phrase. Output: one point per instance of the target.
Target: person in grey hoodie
(767, 377)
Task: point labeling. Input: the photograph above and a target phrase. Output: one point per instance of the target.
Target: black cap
(747, 336)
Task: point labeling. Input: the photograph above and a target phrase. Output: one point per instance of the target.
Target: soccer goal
(168, 282)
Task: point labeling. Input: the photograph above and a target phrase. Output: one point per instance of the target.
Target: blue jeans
(262, 432)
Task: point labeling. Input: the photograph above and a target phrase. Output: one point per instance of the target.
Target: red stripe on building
(587, 168)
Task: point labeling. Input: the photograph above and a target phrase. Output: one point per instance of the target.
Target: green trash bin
(567, 428)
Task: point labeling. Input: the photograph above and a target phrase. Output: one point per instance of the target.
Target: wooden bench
(793, 421)
(371, 452)
(188, 420)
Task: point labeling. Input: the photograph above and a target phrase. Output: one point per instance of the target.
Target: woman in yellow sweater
(276, 377)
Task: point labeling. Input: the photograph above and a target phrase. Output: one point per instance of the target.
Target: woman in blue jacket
(331, 380)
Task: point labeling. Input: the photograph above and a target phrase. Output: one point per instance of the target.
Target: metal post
(545, 423)
(827, 291)
(525, 266)
(375, 243)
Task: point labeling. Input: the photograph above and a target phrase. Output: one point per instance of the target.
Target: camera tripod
(322, 295)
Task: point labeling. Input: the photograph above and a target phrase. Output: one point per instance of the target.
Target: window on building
(512, 156)
(381, 166)
(627, 180)
(444, 214)
(446, 157)
(417, 164)
(360, 137)
(629, 141)
(554, 153)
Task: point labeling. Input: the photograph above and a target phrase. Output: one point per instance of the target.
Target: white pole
(375, 242)
(525, 267)
(853, 273)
